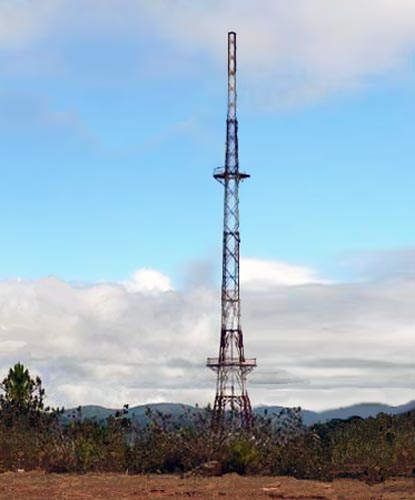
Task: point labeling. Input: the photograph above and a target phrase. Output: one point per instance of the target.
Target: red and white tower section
(232, 404)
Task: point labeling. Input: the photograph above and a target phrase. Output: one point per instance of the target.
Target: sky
(112, 119)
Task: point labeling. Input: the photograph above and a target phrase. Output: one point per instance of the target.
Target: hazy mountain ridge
(363, 410)
(138, 414)
(183, 412)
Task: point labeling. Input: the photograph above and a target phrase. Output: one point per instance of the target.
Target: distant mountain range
(184, 413)
(363, 410)
(139, 414)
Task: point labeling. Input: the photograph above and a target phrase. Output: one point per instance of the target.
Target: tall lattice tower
(231, 402)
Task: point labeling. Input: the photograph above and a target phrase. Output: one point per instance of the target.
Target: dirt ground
(39, 486)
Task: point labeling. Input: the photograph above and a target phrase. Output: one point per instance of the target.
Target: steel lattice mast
(231, 366)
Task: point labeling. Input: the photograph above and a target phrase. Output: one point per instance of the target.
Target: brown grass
(40, 486)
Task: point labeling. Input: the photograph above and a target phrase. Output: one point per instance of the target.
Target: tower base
(232, 412)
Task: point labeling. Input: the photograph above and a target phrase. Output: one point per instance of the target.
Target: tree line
(35, 436)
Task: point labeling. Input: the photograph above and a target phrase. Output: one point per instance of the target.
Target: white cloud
(104, 302)
(259, 274)
(384, 264)
(11, 345)
(319, 346)
(291, 52)
(22, 22)
(301, 50)
(149, 281)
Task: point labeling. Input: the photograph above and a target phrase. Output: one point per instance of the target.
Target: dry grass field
(39, 486)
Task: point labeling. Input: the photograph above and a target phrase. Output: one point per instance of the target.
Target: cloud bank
(318, 344)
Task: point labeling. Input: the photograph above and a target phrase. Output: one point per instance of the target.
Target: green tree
(22, 393)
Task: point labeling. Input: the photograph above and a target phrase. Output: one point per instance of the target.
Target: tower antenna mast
(232, 402)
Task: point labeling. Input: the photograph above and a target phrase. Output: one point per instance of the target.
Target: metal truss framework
(232, 402)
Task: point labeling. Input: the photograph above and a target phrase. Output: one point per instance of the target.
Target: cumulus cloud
(149, 280)
(320, 345)
(297, 51)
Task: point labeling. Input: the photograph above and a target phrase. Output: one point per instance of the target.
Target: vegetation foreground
(34, 437)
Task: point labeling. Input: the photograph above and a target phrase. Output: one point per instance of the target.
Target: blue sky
(112, 119)
(107, 160)
(126, 182)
